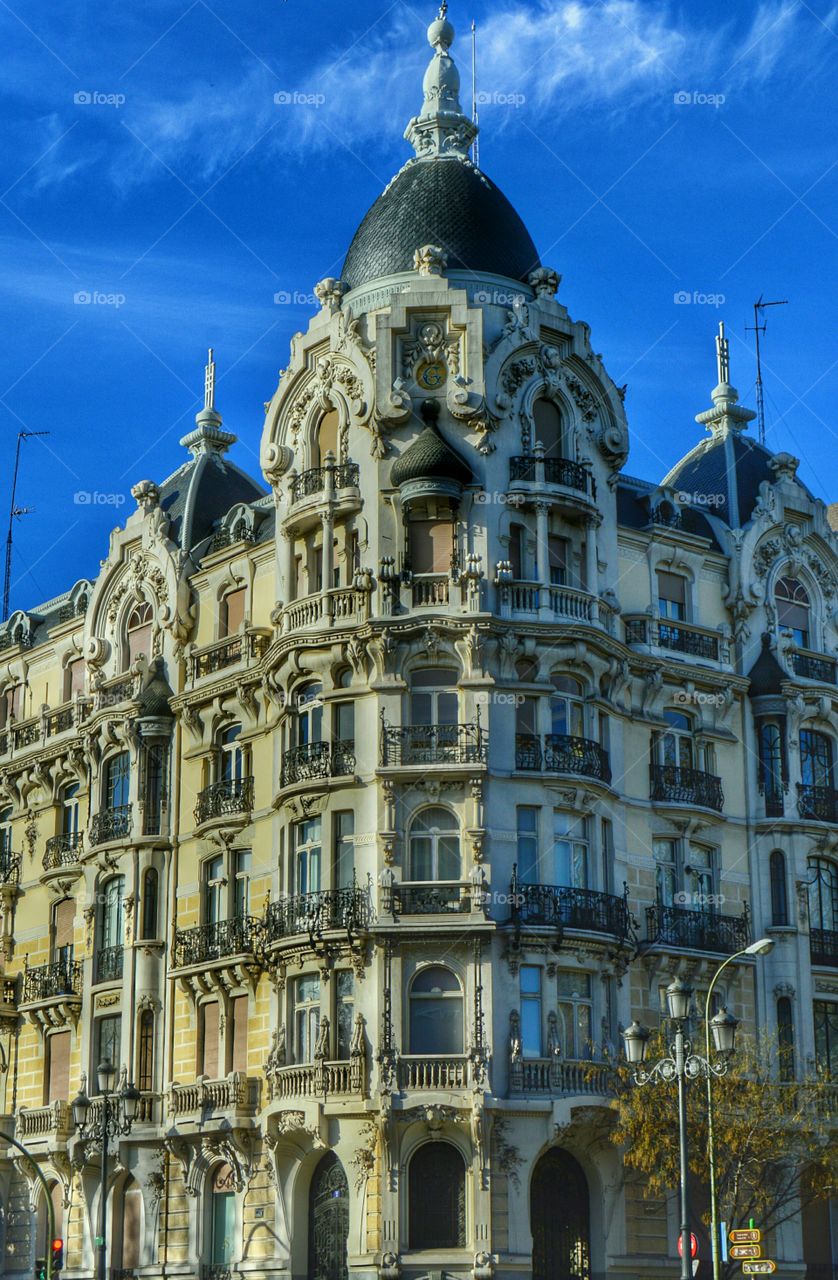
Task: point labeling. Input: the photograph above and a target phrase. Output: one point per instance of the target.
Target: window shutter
(239, 1017)
(59, 1066)
(233, 611)
(209, 1047)
(63, 917)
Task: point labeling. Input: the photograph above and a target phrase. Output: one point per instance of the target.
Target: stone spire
(441, 128)
(727, 415)
(208, 436)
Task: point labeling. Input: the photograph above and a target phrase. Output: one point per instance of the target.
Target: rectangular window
(516, 551)
(73, 679)
(58, 1054)
(570, 851)
(531, 1023)
(232, 613)
(117, 781)
(209, 1040)
(242, 862)
(107, 1041)
(307, 843)
(344, 722)
(826, 1037)
(575, 1016)
(63, 928)
(145, 1053)
(430, 545)
(238, 1018)
(607, 850)
(672, 596)
(213, 878)
(528, 861)
(666, 881)
(306, 1017)
(345, 1011)
(699, 883)
(557, 560)
(344, 829)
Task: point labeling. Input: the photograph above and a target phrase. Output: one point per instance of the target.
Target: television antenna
(14, 513)
(758, 328)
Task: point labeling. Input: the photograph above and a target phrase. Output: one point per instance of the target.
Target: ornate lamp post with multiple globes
(118, 1114)
(682, 1065)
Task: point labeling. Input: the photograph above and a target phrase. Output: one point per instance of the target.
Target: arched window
(325, 438)
(328, 1220)
(148, 928)
(435, 846)
(816, 760)
(560, 1218)
(779, 896)
(547, 428)
(438, 1220)
(70, 813)
(222, 1217)
(517, 551)
(436, 1012)
(793, 608)
(109, 953)
(567, 711)
(785, 1039)
(127, 1225)
(232, 753)
(145, 1052)
(43, 1241)
(117, 781)
(138, 631)
(772, 767)
(308, 727)
(823, 895)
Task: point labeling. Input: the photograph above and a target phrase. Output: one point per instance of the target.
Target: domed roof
(440, 197)
(722, 476)
(446, 202)
(429, 457)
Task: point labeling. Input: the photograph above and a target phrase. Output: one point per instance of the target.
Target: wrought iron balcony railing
(562, 753)
(317, 760)
(814, 666)
(820, 803)
(317, 913)
(108, 964)
(686, 786)
(60, 721)
(224, 799)
(697, 930)
(433, 744)
(823, 947)
(206, 943)
(678, 637)
(51, 981)
(566, 907)
(432, 899)
(63, 850)
(346, 476)
(216, 1271)
(250, 646)
(9, 867)
(111, 824)
(563, 471)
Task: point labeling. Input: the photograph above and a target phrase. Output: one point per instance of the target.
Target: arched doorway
(560, 1218)
(328, 1221)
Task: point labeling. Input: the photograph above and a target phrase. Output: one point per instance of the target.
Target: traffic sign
(745, 1251)
(764, 1267)
(745, 1236)
(693, 1246)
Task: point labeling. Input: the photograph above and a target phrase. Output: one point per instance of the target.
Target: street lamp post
(723, 1027)
(681, 1065)
(118, 1116)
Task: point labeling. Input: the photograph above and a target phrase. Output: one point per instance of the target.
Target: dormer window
(138, 632)
(793, 609)
(325, 438)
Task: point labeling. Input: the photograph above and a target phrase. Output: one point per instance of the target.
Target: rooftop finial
(441, 128)
(723, 355)
(209, 382)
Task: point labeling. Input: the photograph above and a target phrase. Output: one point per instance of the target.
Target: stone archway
(560, 1218)
(328, 1221)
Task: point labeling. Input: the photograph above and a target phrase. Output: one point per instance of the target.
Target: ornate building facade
(353, 815)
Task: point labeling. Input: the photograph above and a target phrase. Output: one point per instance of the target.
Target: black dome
(722, 476)
(444, 202)
(430, 458)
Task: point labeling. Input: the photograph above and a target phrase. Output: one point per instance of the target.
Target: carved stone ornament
(545, 282)
(430, 260)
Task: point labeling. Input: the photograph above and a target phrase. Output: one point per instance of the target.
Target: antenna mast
(758, 328)
(474, 116)
(13, 513)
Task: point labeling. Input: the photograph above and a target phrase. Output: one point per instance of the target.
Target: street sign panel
(764, 1267)
(745, 1251)
(745, 1236)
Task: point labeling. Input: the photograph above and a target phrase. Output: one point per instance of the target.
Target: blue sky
(653, 150)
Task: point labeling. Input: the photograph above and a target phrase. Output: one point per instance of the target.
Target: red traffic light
(57, 1246)
(57, 1254)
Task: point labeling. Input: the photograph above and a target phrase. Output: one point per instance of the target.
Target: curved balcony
(809, 665)
(344, 1078)
(347, 475)
(823, 947)
(530, 469)
(566, 907)
(324, 911)
(111, 824)
(316, 760)
(348, 606)
(48, 982)
(696, 930)
(562, 753)
(229, 652)
(63, 851)
(672, 785)
(228, 798)
(817, 803)
(209, 943)
(676, 637)
(432, 899)
(433, 744)
(549, 602)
